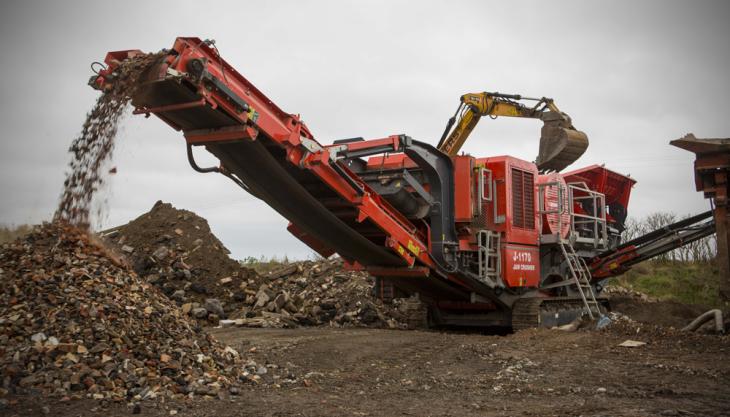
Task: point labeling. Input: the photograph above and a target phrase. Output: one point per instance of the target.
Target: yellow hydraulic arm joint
(560, 143)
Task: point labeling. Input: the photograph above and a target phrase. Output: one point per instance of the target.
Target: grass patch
(685, 282)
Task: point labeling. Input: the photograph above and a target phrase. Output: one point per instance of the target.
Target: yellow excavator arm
(560, 143)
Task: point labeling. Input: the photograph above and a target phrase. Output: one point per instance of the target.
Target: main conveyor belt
(273, 155)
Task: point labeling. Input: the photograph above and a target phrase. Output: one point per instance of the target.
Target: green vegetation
(263, 264)
(688, 274)
(685, 282)
(10, 233)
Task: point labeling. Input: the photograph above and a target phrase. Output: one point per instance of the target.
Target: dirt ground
(663, 313)
(540, 372)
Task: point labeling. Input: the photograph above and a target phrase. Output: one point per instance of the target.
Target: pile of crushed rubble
(176, 251)
(75, 322)
(315, 293)
(617, 290)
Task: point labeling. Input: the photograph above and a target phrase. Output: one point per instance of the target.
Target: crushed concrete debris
(75, 322)
(176, 251)
(315, 293)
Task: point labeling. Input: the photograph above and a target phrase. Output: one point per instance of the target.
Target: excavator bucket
(559, 147)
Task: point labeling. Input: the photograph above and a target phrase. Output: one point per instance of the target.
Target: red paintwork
(372, 143)
(501, 167)
(402, 236)
(408, 239)
(601, 269)
(616, 187)
(464, 187)
(390, 162)
(172, 107)
(551, 221)
(516, 272)
(521, 265)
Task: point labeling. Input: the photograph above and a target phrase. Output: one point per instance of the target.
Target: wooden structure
(712, 177)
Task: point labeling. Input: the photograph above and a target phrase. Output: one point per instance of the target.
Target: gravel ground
(375, 372)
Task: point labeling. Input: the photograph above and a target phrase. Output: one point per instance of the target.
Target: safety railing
(587, 227)
(590, 226)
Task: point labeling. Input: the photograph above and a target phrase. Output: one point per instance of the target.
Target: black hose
(195, 166)
(220, 170)
(449, 125)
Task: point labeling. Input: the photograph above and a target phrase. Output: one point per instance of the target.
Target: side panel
(521, 202)
(513, 212)
(494, 212)
(463, 188)
(521, 265)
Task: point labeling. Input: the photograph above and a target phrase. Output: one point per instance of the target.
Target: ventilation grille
(523, 199)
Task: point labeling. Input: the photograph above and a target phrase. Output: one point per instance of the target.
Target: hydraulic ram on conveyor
(274, 156)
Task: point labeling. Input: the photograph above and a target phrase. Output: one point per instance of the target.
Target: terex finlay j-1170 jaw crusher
(483, 241)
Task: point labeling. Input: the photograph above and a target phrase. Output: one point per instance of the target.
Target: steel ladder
(582, 278)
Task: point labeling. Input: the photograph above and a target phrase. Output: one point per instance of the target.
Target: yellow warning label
(413, 248)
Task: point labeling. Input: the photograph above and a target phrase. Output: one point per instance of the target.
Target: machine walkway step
(580, 275)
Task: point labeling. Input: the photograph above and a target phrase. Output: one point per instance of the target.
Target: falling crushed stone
(94, 145)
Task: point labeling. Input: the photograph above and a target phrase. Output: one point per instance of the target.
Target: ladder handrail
(581, 276)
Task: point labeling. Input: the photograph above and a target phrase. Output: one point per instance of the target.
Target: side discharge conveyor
(621, 258)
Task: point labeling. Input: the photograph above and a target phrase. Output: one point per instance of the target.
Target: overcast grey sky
(633, 75)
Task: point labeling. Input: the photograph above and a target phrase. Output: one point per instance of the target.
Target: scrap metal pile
(75, 322)
(176, 251)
